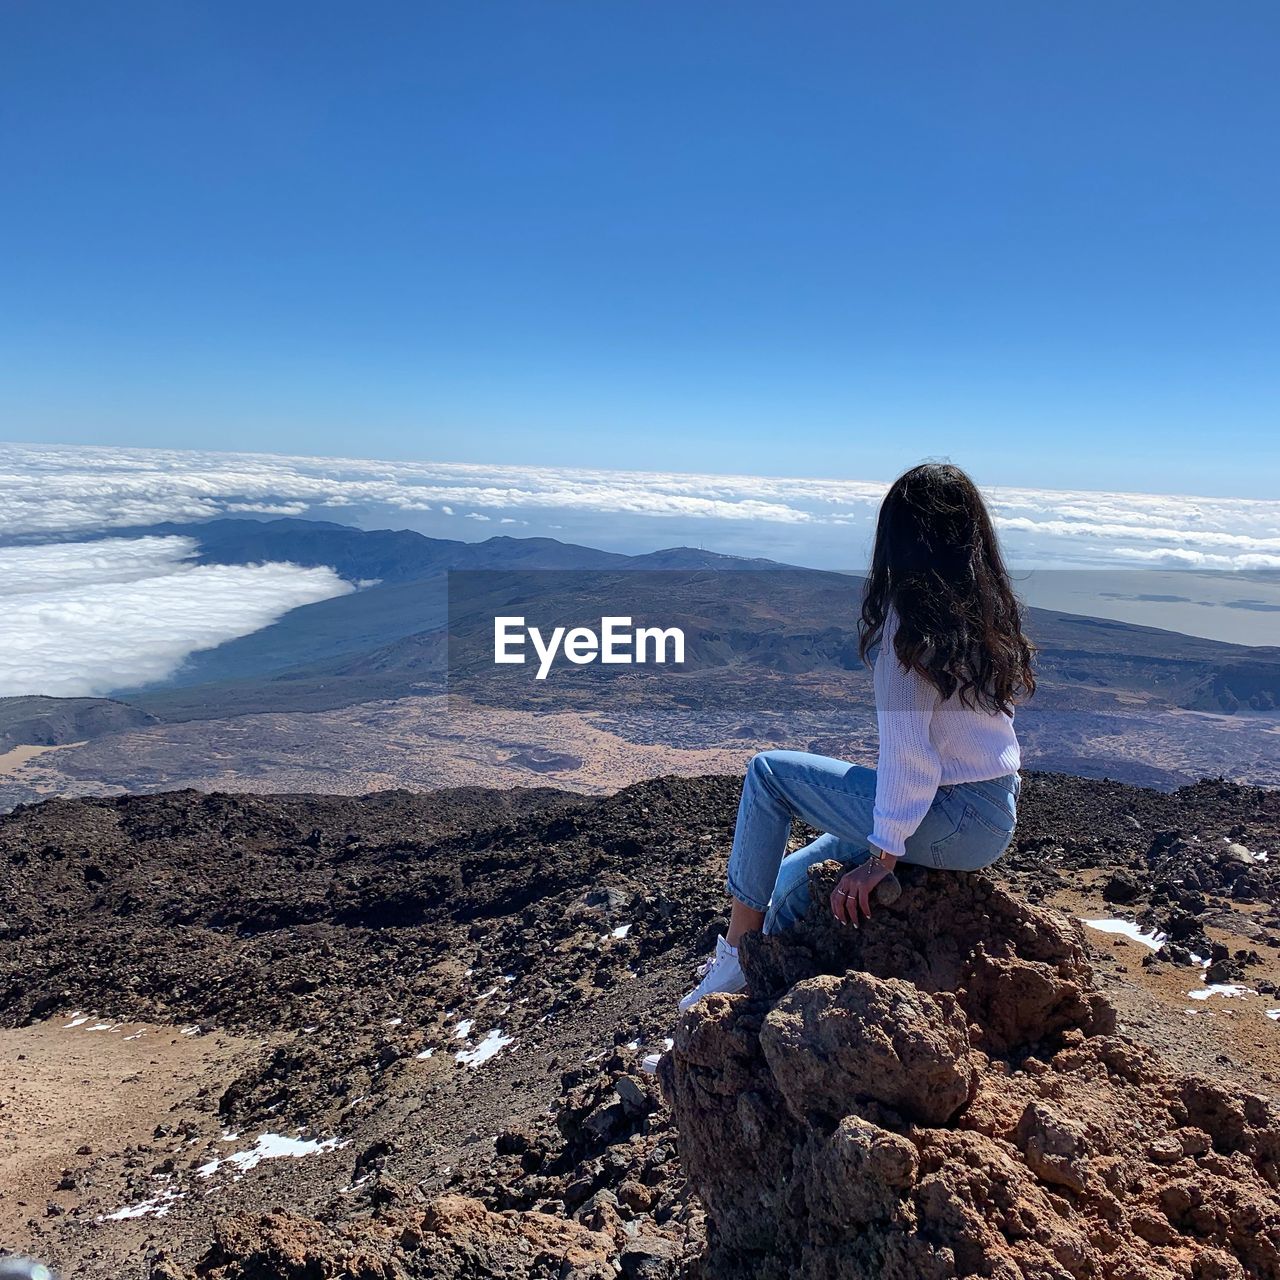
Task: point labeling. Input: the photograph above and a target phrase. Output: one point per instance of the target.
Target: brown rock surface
(453, 1237)
(940, 1094)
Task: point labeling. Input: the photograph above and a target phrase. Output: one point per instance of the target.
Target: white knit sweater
(927, 742)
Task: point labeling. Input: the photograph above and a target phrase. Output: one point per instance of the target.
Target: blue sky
(818, 239)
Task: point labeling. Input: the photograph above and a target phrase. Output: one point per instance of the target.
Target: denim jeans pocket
(999, 825)
(993, 805)
(974, 844)
(943, 845)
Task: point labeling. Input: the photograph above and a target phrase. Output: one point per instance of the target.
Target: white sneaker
(723, 973)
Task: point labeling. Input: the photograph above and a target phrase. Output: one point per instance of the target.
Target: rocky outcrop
(941, 1093)
(593, 1193)
(452, 1238)
(41, 721)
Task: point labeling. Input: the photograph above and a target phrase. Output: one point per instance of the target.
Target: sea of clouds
(83, 618)
(63, 489)
(86, 617)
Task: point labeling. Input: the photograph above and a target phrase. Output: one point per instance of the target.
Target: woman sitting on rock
(950, 662)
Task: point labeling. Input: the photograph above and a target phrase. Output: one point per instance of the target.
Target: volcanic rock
(940, 1094)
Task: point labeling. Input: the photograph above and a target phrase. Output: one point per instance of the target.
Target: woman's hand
(853, 892)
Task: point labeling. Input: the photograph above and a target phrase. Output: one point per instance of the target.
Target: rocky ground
(417, 743)
(402, 1036)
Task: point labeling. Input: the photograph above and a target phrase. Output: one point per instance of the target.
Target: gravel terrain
(402, 1034)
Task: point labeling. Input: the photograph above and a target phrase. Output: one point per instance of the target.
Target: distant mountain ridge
(403, 555)
(774, 660)
(406, 573)
(387, 638)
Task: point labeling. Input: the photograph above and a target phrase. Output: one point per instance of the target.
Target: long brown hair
(937, 565)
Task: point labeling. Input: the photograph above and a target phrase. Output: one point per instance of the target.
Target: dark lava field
(446, 999)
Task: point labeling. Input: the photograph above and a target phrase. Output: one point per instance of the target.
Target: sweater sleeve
(909, 767)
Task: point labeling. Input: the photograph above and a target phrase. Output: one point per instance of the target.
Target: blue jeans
(968, 826)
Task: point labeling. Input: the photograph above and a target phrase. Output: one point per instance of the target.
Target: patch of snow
(1274, 1015)
(489, 1047)
(633, 1044)
(157, 1207)
(484, 995)
(426, 1053)
(77, 1019)
(1126, 928)
(269, 1146)
(394, 1022)
(463, 1029)
(103, 1026)
(620, 932)
(1220, 989)
(275, 1146)
(190, 1031)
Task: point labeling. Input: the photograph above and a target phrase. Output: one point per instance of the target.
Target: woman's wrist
(883, 858)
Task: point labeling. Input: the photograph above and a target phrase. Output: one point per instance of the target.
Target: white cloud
(1117, 532)
(1185, 558)
(83, 618)
(58, 489)
(270, 509)
(64, 566)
